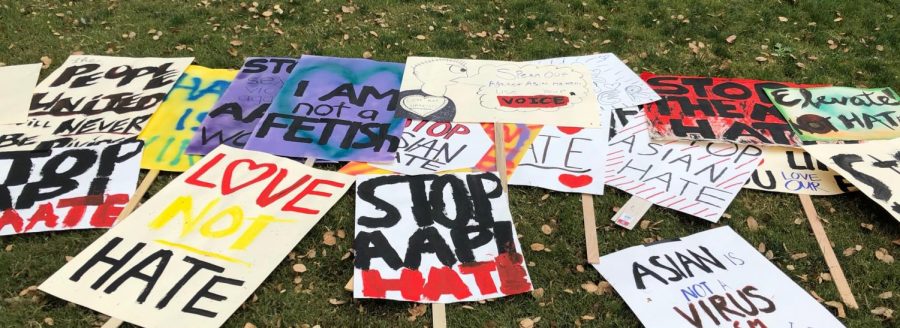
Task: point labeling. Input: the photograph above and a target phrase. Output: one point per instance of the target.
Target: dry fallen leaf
(537, 247)
(526, 323)
(538, 293)
(761, 59)
(839, 306)
(883, 311)
(335, 301)
(348, 9)
(589, 287)
(299, 267)
(249, 325)
(417, 310)
(328, 238)
(849, 251)
(798, 256)
(867, 226)
(886, 295)
(752, 224)
(882, 255)
(47, 61)
(782, 18)
(367, 54)
(545, 196)
(731, 38)
(546, 229)
(420, 37)
(236, 42)
(48, 321)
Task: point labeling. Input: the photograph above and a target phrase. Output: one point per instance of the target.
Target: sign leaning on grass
(436, 239)
(196, 250)
(16, 88)
(709, 279)
(472, 91)
(172, 126)
(66, 188)
(794, 171)
(840, 113)
(235, 114)
(93, 100)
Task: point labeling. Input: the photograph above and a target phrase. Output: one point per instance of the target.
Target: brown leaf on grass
(547, 230)
(421, 37)
(589, 287)
(538, 293)
(348, 9)
(770, 255)
(886, 295)
(879, 47)
(544, 197)
(798, 256)
(867, 226)
(526, 323)
(762, 59)
(236, 43)
(341, 233)
(249, 325)
(839, 306)
(816, 296)
(334, 301)
(48, 321)
(884, 312)
(367, 54)
(800, 65)
(588, 317)
(731, 38)
(537, 247)
(782, 19)
(579, 268)
(299, 267)
(752, 224)
(233, 52)
(761, 248)
(849, 251)
(28, 290)
(9, 248)
(417, 311)
(884, 256)
(328, 238)
(46, 62)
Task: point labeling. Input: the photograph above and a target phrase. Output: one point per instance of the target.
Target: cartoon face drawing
(437, 74)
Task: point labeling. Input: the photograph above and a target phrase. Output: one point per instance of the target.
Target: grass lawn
(853, 43)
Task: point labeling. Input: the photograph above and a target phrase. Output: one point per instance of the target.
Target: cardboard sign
(171, 128)
(429, 147)
(697, 178)
(517, 138)
(340, 109)
(565, 159)
(436, 239)
(93, 100)
(839, 113)
(873, 167)
(709, 279)
(472, 91)
(716, 109)
(196, 250)
(235, 114)
(16, 87)
(794, 171)
(66, 188)
(617, 86)
(631, 213)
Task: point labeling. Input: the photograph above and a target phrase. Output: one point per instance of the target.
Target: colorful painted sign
(429, 147)
(839, 113)
(794, 171)
(565, 159)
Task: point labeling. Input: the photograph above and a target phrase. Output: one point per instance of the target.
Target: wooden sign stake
(590, 229)
(500, 155)
(834, 267)
(439, 315)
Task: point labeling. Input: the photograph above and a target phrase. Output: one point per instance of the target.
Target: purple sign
(330, 108)
(234, 115)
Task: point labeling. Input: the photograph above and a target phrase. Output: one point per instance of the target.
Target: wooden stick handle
(590, 229)
(834, 267)
(500, 155)
(112, 323)
(309, 161)
(439, 315)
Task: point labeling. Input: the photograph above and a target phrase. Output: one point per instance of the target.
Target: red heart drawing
(227, 188)
(568, 130)
(575, 181)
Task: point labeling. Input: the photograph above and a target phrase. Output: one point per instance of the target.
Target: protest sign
(839, 113)
(517, 138)
(16, 88)
(794, 171)
(694, 177)
(472, 91)
(93, 100)
(617, 86)
(414, 239)
(709, 279)
(340, 109)
(565, 159)
(716, 109)
(196, 250)
(178, 118)
(66, 188)
(235, 114)
(873, 167)
(429, 147)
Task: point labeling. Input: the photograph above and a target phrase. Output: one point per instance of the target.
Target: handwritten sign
(697, 178)
(436, 239)
(472, 91)
(873, 167)
(617, 86)
(66, 188)
(16, 87)
(839, 113)
(196, 250)
(565, 159)
(709, 279)
(429, 147)
(171, 128)
(716, 109)
(794, 171)
(235, 114)
(338, 109)
(93, 100)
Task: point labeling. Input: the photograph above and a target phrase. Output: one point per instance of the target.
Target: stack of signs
(694, 177)
(235, 114)
(710, 279)
(93, 100)
(337, 109)
(839, 113)
(873, 167)
(66, 188)
(16, 87)
(436, 239)
(171, 128)
(570, 159)
(196, 250)
(792, 170)
(716, 109)
(471, 91)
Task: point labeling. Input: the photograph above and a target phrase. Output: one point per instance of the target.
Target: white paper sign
(429, 147)
(710, 279)
(66, 188)
(564, 159)
(16, 86)
(192, 254)
(93, 100)
(792, 170)
(475, 91)
(616, 84)
(697, 178)
(436, 239)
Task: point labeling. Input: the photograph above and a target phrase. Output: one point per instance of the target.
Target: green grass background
(852, 43)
